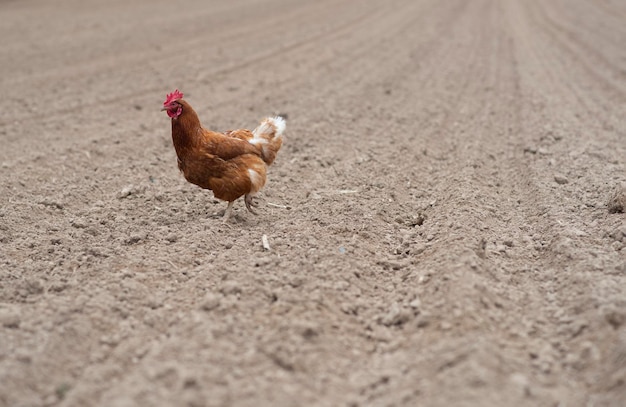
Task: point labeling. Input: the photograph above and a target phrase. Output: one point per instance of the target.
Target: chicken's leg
(228, 212)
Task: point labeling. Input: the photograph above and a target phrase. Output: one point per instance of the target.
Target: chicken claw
(250, 203)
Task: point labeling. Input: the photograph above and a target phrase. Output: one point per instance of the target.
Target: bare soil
(442, 218)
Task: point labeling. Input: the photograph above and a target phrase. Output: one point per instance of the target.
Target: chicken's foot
(250, 203)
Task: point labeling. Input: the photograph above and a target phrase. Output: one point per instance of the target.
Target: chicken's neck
(186, 129)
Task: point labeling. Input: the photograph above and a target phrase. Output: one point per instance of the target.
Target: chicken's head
(172, 105)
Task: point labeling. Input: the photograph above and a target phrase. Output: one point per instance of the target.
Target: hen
(231, 164)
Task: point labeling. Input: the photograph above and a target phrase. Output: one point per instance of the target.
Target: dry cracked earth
(445, 219)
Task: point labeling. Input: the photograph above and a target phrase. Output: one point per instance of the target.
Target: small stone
(230, 287)
(522, 383)
(349, 308)
(577, 232)
(153, 302)
(126, 191)
(78, 223)
(542, 151)
(615, 318)
(62, 390)
(33, 286)
(10, 318)
(531, 150)
(134, 238)
(296, 281)
(210, 302)
(172, 237)
(341, 285)
(58, 287)
(52, 203)
(619, 234)
(395, 316)
(561, 179)
(111, 340)
(590, 352)
(416, 303)
(423, 320)
(617, 201)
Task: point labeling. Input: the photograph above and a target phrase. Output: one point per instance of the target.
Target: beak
(163, 108)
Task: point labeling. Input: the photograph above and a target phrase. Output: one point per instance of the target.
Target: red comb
(172, 97)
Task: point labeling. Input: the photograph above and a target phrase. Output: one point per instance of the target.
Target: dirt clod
(10, 317)
(617, 201)
(396, 315)
(561, 179)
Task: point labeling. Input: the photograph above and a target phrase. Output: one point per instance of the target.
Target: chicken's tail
(269, 136)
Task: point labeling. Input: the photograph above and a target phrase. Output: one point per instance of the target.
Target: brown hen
(231, 164)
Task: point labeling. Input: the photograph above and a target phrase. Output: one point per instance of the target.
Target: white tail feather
(272, 127)
(268, 136)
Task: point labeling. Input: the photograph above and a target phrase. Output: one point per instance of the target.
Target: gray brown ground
(438, 216)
